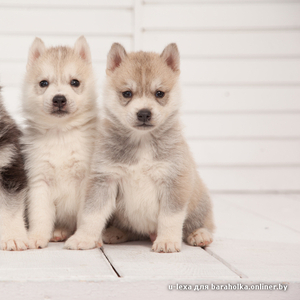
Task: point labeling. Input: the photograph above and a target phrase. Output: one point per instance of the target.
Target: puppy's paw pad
(166, 247)
(85, 243)
(60, 235)
(200, 237)
(113, 235)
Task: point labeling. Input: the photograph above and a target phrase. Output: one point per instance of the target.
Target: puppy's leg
(199, 225)
(169, 232)
(12, 226)
(171, 217)
(41, 216)
(100, 204)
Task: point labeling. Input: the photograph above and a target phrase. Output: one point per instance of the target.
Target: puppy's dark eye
(44, 83)
(159, 94)
(127, 94)
(75, 83)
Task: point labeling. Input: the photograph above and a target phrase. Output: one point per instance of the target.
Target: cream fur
(144, 178)
(58, 148)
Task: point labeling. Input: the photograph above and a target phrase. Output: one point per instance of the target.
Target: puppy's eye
(159, 94)
(75, 83)
(44, 83)
(127, 94)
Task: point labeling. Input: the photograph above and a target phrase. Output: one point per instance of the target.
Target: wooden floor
(257, 242)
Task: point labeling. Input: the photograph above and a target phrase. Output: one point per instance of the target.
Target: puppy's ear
(82, 48)
(171, 56)
(115, 56)
(35, 51)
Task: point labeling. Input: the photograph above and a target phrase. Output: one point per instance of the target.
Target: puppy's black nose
(144, 115)
(59, 101)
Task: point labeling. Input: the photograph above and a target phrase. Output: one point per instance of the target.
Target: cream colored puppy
(59, 104)
(143, 178)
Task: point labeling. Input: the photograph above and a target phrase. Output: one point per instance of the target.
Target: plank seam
(220, 29)
(87, 34)
(112, 266)
(92, 7)
(220, 2)
(248, 166)
(254, 192)
(227, 264)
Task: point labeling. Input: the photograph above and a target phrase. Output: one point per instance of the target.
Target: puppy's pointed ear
(171, 56)
(115, 56)
(35, 51)
(82, 48)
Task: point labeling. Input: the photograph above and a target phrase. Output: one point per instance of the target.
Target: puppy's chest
(65, 157)
(141, 185)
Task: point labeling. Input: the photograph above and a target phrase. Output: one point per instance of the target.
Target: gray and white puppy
(143, 174)
(13, 185)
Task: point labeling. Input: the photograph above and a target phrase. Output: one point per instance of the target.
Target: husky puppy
(59, 103)
(142, 171)
(13, 185)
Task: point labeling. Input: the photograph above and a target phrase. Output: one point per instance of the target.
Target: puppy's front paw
(60, 235)
(200, 237)
(37, 241)
(14, 244)
(113, 235)
(166, 246)
(77, 242)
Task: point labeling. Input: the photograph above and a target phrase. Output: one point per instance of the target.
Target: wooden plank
(134, 260)
(257, 246)
(251, 179)
(237, 223)
(72, 3)
(54, 264)
(226, 99)
(241, 125)
(246, 152)
(209, 126)
(15, 48)
(240, 99)
(281, 209)
(213, 1)
(53, 21)
(230, 16)
(12, 73)
(240, 71)
(261, 260)
(138, 289)
(207, 72)
(226, 44)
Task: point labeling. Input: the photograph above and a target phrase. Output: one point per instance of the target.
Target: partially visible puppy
(13, 185)
(59, 104)
(143, 172)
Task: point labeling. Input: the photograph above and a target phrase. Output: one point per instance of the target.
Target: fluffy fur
(59, 137)
(143, 176)
(13, 185)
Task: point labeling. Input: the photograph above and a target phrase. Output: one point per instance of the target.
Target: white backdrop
(240, 73)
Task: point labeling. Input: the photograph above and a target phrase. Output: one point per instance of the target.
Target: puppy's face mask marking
(142, 86)
(58, 78)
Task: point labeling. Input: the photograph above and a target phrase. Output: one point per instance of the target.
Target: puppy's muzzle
(59, 101)
(144, 115)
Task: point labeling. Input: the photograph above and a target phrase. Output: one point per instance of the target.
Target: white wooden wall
(240, 73)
